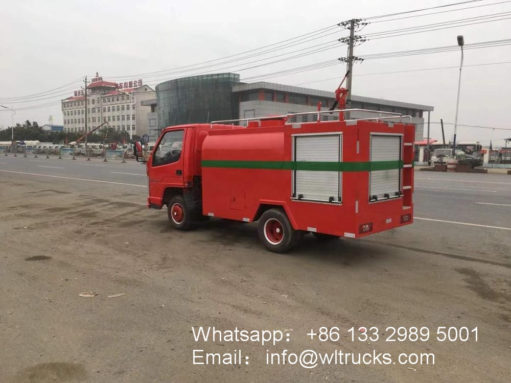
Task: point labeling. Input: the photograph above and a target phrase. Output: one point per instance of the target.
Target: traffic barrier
(451, 165)
(114, 154)
(66, 153)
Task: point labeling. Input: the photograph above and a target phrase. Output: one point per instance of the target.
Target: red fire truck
(344, 178)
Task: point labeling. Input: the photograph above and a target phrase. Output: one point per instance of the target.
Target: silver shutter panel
(318, 185)
(385, 148)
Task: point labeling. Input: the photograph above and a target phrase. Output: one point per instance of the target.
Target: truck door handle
(179, 172)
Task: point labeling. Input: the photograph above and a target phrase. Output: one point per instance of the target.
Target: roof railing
(381, 116)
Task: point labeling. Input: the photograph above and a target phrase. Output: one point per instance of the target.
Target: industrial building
(222, 96)
(118, 104)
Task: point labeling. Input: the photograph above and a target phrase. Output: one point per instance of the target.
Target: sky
(49, 46)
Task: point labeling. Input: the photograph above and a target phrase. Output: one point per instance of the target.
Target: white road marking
(130, 174)
(466, 181)
(494, 204)
(73, 178)
(455, 189)
(50, 167)
(462, 223)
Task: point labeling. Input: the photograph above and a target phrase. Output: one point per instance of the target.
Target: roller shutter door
(385, 183)
(318, 185)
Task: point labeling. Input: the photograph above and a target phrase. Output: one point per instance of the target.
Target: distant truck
(332, 178)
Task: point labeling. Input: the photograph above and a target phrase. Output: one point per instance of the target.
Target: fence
(114, 154)
(67, 152)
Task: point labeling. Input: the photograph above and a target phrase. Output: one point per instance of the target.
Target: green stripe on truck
(303, 165)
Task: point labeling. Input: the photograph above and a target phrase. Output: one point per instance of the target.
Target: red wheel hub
(273, 231)
(177, 213)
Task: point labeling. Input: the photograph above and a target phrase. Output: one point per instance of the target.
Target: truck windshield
(169, 148)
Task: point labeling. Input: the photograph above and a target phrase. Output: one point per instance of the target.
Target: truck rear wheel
(275, 231)
(179, 213)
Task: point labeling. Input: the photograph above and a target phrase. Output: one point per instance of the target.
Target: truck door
(166, 168)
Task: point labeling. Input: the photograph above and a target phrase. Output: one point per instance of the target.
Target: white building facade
(118, 105)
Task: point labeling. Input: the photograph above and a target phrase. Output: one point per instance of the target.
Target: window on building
(118, 118)
(268, 95)
(122, 107)
(104, 109)
(128, 117)
(128, 107)
(118, 108)
(93, 101)
(280, 97)
(295, 98)
(93, 110)
(133, 117)
(252, 95)
(122, 117)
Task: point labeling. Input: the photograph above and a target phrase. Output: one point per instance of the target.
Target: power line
(301, 53)
(411, 71)
(304, 68)
(421, 9)
(479, 45)
(440, 12)
(471, 126)
(42, 93)
(440, 25)
(265, 49)
(297, 40)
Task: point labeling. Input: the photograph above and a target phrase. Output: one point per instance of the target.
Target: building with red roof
(118, 104)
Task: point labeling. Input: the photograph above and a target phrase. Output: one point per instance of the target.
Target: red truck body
(339, 178)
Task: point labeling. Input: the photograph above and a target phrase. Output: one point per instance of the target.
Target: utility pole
(351, 25)
(443, 134)
(350, 58)
(86, 127)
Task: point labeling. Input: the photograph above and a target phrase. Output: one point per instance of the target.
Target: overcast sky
(54, 44)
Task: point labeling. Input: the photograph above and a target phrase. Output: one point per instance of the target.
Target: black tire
(324, 237)
(179, 213)
(275, 231)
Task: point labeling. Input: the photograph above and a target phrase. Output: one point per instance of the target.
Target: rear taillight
(406, 218)
(365, 228)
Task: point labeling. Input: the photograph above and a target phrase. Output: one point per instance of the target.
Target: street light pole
(460, 43)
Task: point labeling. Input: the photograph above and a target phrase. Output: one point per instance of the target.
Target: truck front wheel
(275, 231)
(179, 213)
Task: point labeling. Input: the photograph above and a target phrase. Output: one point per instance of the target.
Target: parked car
(443, 155)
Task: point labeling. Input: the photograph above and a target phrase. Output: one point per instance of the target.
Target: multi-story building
(120, 105)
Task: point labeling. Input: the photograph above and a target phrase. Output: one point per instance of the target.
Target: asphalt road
(69, 227)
